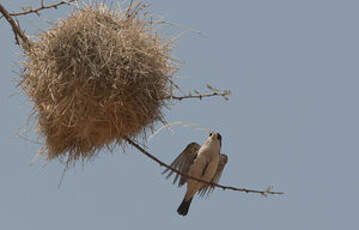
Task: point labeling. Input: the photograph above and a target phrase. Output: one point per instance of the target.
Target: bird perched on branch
(203, 162)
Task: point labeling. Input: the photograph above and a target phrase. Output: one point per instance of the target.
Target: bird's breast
(205, 165)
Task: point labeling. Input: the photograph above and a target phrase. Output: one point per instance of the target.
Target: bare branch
(264, 192)
(42, 7)
(15, 27)
(199, 96)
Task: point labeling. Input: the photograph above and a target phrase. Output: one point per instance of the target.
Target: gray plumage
(183, 162)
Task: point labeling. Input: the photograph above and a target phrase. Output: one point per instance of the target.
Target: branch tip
(42, 7)
(139, 148)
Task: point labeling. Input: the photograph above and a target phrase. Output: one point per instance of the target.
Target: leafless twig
(264, 192)
(42, 7)
(199, 96)
(15, 27)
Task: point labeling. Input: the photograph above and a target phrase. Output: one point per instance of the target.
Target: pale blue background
(292, 122)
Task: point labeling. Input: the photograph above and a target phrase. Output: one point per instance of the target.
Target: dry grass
(95, 78)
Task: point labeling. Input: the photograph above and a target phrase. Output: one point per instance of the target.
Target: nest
(96, 78)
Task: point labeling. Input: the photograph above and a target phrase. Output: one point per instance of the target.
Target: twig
(200, 96)
(182, 27)
(15, 27)
(28, 139)
(42, 7)
(138, 147)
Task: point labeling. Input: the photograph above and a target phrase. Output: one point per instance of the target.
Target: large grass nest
(96, 78)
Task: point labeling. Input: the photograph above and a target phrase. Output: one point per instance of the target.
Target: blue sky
(291, 122)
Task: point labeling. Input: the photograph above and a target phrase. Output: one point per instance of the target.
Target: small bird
(203, 162)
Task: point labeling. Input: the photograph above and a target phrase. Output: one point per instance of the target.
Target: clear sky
(291, 122)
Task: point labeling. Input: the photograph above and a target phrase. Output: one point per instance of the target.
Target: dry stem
(200, 96)
(15, 27)
(42, 7)
(138, 147)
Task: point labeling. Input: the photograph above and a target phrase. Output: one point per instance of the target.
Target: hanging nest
(96, 78)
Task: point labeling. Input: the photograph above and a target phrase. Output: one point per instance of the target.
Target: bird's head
(215, 138)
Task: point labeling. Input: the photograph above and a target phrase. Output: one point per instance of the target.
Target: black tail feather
(183, 208)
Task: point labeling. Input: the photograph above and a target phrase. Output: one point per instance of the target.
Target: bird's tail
(183, 208)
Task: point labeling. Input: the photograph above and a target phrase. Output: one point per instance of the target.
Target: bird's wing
(207, 189)
(183, 162)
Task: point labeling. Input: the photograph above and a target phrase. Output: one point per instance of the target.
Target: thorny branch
(139, 148)
(15, 27)
(199, 96)
(214, 92)
(42, 7)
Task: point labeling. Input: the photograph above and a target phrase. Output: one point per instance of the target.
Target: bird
(203, 162)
